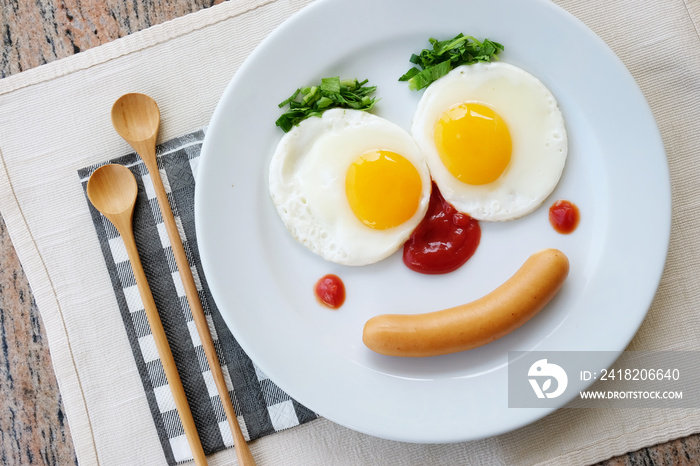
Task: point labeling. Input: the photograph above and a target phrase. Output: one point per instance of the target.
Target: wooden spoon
(136, 118)
(112, 190)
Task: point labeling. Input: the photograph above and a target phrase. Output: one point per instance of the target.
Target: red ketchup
(443, 241)
(330, 291)
(564, 216)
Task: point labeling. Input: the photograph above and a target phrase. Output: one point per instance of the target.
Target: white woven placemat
(54, 121)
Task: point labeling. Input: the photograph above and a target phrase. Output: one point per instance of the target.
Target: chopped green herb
(331, 93)
(448, 54)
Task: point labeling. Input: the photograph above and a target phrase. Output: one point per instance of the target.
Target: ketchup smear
(443, 241)
(330, 290)
(564, 216)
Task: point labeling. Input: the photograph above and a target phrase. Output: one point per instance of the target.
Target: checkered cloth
(262, 408)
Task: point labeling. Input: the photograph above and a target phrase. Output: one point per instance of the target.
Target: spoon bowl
(112, 189)
(136, 118)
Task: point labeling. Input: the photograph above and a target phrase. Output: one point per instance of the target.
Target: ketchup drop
(443, 241)
(564, 216)
(330, 291)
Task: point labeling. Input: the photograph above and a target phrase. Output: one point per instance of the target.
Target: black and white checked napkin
(262, 408)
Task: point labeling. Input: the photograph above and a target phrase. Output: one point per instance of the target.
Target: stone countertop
(33, 428)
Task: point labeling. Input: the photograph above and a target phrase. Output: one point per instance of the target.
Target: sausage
(476, 323)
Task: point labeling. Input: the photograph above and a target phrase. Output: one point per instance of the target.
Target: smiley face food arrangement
(487, 143)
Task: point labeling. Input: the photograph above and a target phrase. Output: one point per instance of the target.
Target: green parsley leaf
(445, 55)
(333, 92)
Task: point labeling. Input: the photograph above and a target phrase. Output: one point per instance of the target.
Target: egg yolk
(473, 142)
(383, 189)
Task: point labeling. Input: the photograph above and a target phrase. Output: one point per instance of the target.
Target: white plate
(262, 279)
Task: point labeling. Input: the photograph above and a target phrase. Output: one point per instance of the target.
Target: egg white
(537, 131)
(307, 184)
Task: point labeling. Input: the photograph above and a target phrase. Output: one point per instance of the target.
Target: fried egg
(493, 138)
(349, 185)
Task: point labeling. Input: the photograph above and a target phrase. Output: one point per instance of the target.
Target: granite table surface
(33, 426)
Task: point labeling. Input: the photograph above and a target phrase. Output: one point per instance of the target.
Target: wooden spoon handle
(243, 453)
(161, 341)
